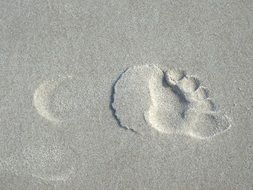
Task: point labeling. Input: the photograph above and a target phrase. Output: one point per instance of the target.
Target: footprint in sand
(171, 102)
(62, 99)
(49, 159)
(45, 157)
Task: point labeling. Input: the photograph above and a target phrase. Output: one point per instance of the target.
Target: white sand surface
(126, 94)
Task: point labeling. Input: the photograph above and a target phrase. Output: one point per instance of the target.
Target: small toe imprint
(202, 93)
(189, 84)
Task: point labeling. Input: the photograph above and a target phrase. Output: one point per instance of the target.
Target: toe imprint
(173, 75)
(202, 93)
(170, 102)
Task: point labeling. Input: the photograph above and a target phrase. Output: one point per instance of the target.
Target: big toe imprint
(170, 102)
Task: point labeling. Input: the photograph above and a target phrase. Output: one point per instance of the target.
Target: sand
(126, 94)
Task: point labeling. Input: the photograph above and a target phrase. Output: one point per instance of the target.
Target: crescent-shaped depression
(42, 95)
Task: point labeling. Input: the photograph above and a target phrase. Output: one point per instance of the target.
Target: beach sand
(126, 94)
